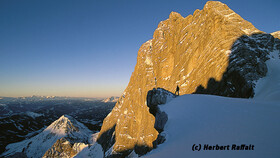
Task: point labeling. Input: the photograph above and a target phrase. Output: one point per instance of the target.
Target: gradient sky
(88, 48)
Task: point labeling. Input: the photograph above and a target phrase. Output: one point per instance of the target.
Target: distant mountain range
(37, 98)
(111, 99)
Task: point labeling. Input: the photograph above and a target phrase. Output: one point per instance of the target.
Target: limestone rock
(61, 148)
(213, 51)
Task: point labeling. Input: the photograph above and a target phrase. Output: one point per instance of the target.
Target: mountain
(214, 51)
(111, 99)
(61, 133)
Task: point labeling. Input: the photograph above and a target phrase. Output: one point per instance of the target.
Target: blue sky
(88, 48)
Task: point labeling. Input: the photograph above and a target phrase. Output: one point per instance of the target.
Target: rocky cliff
(213, 51)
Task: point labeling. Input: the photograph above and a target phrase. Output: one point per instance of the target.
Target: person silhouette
(177, 90)
(156, 82)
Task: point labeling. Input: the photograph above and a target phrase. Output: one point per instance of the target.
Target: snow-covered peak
(63, 125)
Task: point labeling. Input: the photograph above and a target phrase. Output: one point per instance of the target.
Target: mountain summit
(64, 125)
(213, 51)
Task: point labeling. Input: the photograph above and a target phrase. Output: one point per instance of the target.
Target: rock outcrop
(157, 97)
(64, 148)
(213, 51)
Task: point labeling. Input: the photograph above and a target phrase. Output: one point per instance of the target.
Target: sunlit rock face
(188, 52)
(64, 148)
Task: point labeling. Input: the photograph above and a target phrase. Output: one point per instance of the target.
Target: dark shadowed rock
(246, 66)
(161, 119)
(158, 96)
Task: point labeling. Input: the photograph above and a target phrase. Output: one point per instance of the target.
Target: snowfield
(214, 120)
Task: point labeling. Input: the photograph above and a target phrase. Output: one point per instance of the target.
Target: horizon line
(53, 96)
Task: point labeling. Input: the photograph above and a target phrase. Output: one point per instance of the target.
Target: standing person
(177, 90)
(156, 82)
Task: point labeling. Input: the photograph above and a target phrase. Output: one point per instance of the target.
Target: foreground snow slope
(206, 119)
